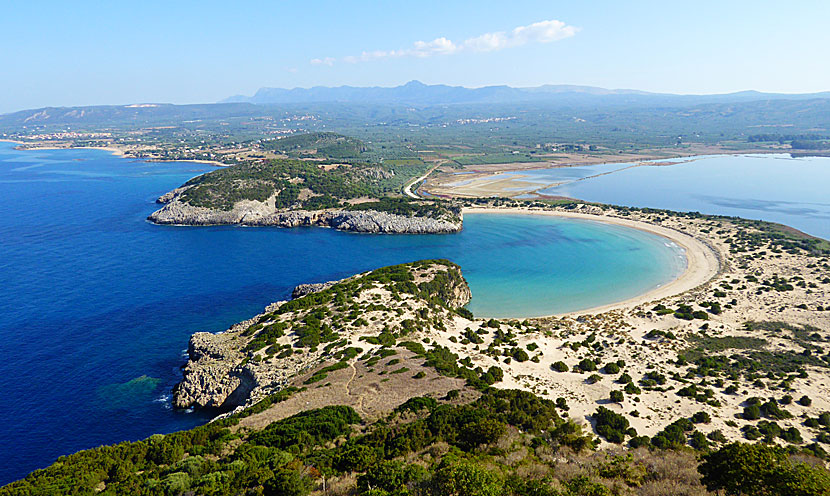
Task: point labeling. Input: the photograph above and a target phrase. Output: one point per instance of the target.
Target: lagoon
(772, 187)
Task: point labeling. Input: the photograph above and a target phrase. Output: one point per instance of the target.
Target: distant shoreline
(119, 152)
(702, 262)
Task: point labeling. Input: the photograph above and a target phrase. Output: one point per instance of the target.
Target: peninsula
(732, 350)
(347, 195)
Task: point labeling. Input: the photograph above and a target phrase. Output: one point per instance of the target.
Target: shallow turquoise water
(98, 305)
(534, 265)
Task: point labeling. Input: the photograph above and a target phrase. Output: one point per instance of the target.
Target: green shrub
(673, 436)
(639, 442)
(466, 479)
(356, 458)
(791, 435)
(717, 436)
(417, 404)
(701, 418)
(587, 365)
(770, 409)
(414, 347)
(699, 442)
(751, 412)
(520, 355)
(631, 389)
(307, 428)
(389, 476)
(593, 378)
(287, 483)
(560, 366)
(610, 425)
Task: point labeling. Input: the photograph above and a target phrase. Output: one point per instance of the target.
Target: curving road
(407, 190)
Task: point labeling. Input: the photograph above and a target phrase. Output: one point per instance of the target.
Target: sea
(97, 304)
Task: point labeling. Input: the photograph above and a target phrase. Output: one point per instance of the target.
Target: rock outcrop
(256, 213)
(304, 289)
(458, 296)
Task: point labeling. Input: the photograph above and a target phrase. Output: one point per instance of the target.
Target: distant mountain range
(573, 111)
(417, 93)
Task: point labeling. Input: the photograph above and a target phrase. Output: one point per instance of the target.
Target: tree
(287, 483)
(760, 469)
(390, 476)
(356, 458)
(466, 479)
(485, 431)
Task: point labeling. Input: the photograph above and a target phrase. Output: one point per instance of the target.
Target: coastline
(702, 262)
(116, 151)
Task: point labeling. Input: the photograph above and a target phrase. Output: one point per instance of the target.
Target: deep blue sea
(97, 304)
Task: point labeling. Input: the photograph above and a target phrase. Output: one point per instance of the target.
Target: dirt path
(359, 404)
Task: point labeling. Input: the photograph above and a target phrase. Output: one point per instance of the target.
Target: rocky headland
(334, 320)
(177, 211)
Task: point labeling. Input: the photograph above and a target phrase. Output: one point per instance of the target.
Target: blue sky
(84, 52)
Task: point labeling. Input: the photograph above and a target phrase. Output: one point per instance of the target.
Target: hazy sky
(59, 53)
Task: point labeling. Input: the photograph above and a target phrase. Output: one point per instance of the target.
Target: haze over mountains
(575, 112)
(417, 93)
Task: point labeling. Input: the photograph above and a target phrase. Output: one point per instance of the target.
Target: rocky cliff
(262, 355)
(255, 213)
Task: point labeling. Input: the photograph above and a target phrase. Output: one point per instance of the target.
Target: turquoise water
(777, 188)
(98, 304)
(529, 265)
